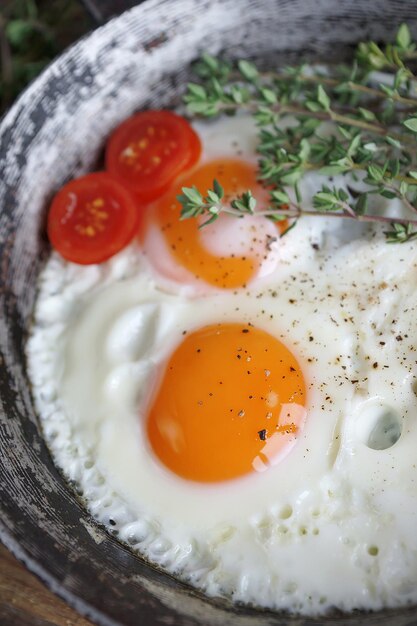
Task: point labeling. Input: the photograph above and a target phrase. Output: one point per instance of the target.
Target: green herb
(342, 121)
(32, 33)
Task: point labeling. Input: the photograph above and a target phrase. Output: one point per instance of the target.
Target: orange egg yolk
(183, 238)
(231, 401)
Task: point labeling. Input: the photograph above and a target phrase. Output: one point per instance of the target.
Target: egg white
(333, 524)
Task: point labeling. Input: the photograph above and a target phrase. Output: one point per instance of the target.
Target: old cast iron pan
(55, 131)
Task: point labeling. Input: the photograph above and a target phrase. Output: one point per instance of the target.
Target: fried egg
(250, 428)
(229, 253)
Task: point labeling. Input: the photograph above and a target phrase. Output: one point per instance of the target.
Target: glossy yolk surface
(231, 401)
(184, 239)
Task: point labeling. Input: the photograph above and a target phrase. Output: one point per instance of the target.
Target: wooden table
(25, 601)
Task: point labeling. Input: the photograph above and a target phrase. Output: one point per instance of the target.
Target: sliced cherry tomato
(149, 150)
(92, 218)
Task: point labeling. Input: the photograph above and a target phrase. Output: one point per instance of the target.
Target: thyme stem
(324, 116)
(332, 82)
(297, 211)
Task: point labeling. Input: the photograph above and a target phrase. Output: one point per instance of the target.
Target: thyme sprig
(342, 120)
(332, 202)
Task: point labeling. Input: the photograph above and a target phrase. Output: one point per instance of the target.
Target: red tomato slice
(92, 218)
(149, 150)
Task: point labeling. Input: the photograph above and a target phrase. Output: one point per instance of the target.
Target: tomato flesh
(150, 149)
(92, 218)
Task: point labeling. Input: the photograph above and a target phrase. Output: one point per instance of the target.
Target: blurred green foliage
(32, 33)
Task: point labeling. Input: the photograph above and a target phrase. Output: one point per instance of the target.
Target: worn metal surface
(57, 130)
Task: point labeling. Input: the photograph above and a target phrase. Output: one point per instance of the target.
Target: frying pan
(56, 131)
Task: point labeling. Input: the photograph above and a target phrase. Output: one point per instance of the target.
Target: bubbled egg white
(333, 523)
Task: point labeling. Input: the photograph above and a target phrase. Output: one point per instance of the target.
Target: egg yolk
(184, 238)
(231, 401)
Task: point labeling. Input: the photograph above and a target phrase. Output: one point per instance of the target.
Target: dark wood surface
(25, 601)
